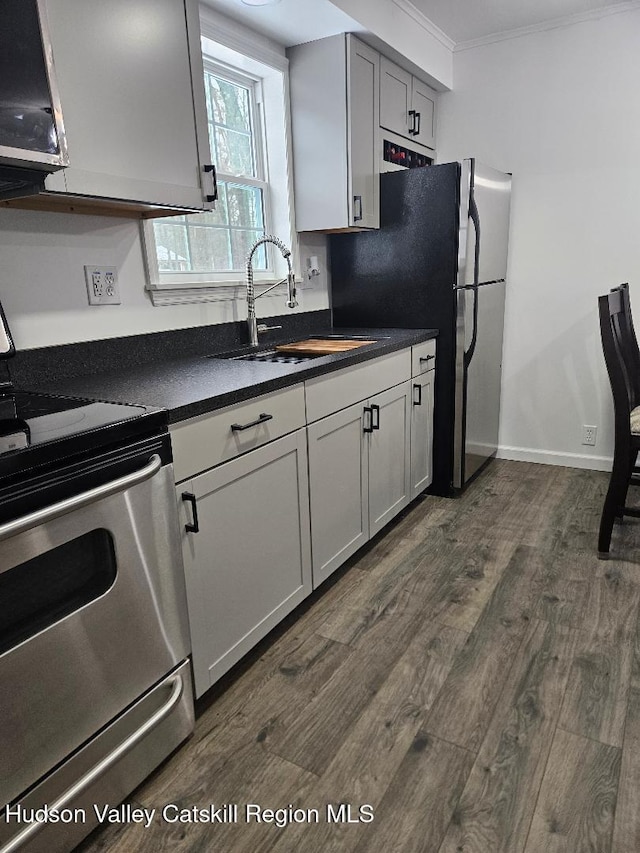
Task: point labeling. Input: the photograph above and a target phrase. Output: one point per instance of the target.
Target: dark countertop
(187, 387)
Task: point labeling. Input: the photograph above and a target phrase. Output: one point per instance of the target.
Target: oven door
(92, 614)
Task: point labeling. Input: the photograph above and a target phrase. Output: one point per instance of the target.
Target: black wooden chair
(634, 357)
(623, 365)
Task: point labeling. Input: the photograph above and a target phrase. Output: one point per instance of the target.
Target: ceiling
(295, 21)
(465, 20)
(290, 21)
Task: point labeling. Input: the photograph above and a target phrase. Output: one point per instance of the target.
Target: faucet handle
(262, 327)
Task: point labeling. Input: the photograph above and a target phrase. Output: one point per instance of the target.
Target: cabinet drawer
(423, 357)
(328, 394)
(205, 441)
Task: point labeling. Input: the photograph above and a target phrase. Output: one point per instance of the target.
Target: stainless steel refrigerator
(439, 260)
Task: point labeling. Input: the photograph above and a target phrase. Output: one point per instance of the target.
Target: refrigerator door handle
(475, 218)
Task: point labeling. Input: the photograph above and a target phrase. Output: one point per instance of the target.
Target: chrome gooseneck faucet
(251, 296)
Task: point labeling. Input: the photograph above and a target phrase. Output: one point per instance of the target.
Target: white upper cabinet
(407, 105)
(363, 69)
(334, 113)
(131, 85)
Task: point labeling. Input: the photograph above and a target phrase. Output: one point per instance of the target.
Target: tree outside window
(218, 241)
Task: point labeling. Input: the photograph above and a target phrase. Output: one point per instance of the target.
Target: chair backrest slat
(634, 354)
(620, 353)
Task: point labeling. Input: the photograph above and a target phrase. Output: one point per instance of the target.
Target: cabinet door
(124, 74)
(338, 487)
(421, 432)
(389, 460)
(395, 97)
(423, 101)
(250, 562)
(363, 74)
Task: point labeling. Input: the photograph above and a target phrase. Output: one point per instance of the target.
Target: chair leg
(623, 500)
(614, 501)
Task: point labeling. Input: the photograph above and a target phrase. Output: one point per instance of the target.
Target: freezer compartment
(104, 771)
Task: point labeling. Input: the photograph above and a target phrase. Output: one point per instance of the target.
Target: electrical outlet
(102, 285)
(589, 434)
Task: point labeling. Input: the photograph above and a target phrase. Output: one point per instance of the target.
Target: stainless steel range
(96, 685)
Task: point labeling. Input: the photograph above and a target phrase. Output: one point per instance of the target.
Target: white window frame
(234, 51)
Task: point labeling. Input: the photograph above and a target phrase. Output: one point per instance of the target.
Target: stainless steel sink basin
(273, 356)
(268, 356)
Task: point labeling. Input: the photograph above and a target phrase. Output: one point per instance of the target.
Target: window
(218, 242)
(191, 257)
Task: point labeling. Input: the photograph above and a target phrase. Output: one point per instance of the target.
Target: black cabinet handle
(365, 428)
(189, 497)
(412, 116)
(417, 130)
(375, 422)
(262, 419)
(427, 358)
(357, 199)
(417, 402)
(209, 167)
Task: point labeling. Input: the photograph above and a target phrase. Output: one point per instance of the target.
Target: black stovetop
(42, 429)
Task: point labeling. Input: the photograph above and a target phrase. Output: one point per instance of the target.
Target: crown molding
(421, 19)
(554, 23)
(237, 36)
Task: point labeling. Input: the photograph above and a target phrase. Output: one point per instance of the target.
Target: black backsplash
(68, 361)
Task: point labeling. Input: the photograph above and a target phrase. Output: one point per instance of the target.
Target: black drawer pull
(375, 422)
(427, 357)
(262, 419)
(412, 116)
(416, 131)
(189, 497)
(365, 428)
(417, 402)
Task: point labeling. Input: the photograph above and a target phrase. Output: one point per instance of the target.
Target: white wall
(43, 291)
(559, 109)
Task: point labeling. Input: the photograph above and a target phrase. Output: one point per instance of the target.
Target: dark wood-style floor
(474, 675)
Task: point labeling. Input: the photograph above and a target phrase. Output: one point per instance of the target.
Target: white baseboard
(553, 457)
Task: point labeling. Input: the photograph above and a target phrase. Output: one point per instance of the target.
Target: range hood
(19, 182)
(32, 137)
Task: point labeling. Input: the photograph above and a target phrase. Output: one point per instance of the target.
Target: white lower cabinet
(421, 433)
(269, 507)
(358, 475)
(339, 489)
(389, 449)
(249, 562)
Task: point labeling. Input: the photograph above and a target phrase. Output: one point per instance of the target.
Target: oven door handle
(48, 513)
(99, 769)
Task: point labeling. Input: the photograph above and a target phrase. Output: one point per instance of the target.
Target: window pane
(219, 216)
(218, 241)
(171, 246)
(234, 152)
(241, 243)
(244, 205)
(229, 104)
(210, 249)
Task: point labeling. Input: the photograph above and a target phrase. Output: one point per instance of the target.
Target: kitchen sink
(300, 351)
(271, 357)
